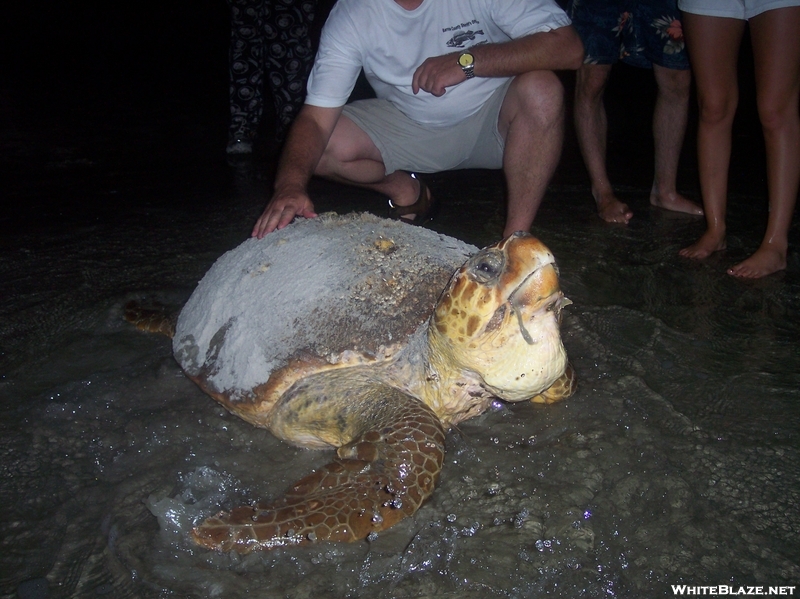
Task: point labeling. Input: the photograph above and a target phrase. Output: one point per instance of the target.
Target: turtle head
(499, 319)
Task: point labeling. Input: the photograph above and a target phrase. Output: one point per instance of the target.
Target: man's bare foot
(611, 210)
(765, 261)
(709, 243)
(675, 202)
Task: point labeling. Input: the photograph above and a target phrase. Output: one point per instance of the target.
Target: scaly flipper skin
(153, 319)
(561, 389)
(375, 481)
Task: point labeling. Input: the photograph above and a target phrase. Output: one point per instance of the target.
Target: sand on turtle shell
(320, 286)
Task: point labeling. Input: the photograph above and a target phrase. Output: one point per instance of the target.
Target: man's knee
(347, 143)
(591, 80)
(536, 95)
(674, 83)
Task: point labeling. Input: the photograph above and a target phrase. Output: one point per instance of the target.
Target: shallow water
(676, 462)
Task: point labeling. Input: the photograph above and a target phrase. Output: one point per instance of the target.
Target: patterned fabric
(269, 37)
(638, 33)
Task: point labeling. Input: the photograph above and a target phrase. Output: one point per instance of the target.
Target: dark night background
(96, 98)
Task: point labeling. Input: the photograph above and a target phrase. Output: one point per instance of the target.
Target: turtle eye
(486, 266)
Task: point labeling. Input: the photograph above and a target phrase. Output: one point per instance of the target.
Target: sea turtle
(353, 332)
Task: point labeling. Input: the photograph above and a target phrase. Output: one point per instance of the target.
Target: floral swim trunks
(637, 33)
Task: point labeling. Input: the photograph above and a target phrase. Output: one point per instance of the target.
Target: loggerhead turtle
(335, 332)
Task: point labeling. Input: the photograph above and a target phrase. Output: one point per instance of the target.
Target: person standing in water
(270, 40)
(645, 35)
(714, 33)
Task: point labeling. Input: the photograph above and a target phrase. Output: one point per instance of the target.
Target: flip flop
(424, 209)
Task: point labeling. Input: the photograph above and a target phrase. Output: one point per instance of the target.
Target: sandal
(424, 209)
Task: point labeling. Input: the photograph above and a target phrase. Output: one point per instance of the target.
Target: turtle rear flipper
(155, 318)
(376, 480)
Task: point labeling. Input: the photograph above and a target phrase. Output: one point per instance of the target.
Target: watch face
(466, 59)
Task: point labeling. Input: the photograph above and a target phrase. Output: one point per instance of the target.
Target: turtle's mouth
(538, 289)
(523, 331)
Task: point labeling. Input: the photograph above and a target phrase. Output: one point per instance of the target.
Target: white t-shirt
(390, 42)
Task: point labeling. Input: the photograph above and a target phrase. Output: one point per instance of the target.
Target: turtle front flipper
(561, 389)
(389, 465)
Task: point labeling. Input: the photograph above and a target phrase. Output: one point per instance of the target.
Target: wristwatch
(467, 63)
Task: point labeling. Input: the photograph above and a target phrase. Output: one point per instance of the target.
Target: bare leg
(531, 121)
(776, 49)
(351, 157)
(669, 127)
(713, 44)
(591, 126)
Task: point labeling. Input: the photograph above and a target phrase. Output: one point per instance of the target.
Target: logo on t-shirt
(463, 32)
(462, 37)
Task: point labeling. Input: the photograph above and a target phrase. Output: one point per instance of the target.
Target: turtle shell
(321, 291)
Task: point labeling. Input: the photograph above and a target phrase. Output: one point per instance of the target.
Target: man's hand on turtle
(436, 74)
(281, 210)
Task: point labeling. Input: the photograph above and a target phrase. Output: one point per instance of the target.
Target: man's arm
(553, 50)
(307, 140)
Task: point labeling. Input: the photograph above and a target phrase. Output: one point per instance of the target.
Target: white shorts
(734, 9)
(407, 145)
